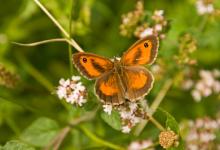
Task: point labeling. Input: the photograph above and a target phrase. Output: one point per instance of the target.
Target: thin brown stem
(44, 42)
(57, 141)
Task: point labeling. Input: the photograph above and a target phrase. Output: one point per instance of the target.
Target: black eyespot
(84, 60)
(146, 45)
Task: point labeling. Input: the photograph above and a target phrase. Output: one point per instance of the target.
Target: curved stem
(44, 42)
(99, 140)
(74, 44)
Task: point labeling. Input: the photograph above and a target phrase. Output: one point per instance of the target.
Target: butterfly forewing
(90, 65)
(142, 52)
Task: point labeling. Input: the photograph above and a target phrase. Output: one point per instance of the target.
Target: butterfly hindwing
(109, 90)
(142, 52)
(137, 81)
(90, 65)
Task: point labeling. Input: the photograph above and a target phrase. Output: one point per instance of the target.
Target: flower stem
(57, 141)
(74, 44)
(156, 123)
(203, 24)
(99, 140)
(70, 34)
(161, 95)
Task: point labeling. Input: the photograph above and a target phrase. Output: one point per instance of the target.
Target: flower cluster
(136, 23)
(141, 145)
(130, 114)
(204, 7)
(7, 78)
(168, 139)
(158, 26)
(72, 91)
(131, 19)
(202, 134)
(187, 45)
(206, 85)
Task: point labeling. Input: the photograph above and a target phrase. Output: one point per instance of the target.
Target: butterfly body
(122, 79)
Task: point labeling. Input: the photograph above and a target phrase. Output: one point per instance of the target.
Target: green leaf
(113, 120)
(172, 124)
(40, 132)
(16, 145)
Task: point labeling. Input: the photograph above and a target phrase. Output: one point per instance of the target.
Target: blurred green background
(95, 27)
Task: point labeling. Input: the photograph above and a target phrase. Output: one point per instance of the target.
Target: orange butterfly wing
(142, 52)
(138, 81)
(90, 65)
(109, 88)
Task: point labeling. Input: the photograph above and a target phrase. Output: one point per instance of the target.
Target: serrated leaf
(172, 124)
(16, 145)
(113, 120)
(40, 132)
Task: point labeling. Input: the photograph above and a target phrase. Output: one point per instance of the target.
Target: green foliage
(113, 120)
(40, 132)
(16, 145)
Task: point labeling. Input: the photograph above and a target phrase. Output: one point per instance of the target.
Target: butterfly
(122, 79)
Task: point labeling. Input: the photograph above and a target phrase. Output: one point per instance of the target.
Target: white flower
(135, 120)
(158, 27)
(206, 137)
(126, 114)
(211, 124)
(216, 73)
(196, 95)
(202, 134)
(193, 147)
(72, 91)
(140, 145)
(207, 85)
(216, 87)
(126, 129)
(199, 123)
(203, 8)
(187, 84)
(159, 12)
(108, 109)
(146, 32)
(76, 78)
(133, 106)
(192, 136)
(61, 92)
(158, 15)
